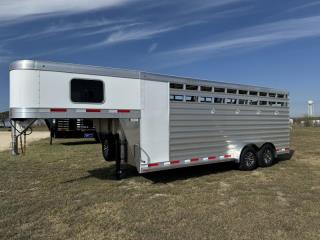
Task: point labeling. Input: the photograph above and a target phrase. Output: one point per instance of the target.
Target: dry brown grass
(67, 191)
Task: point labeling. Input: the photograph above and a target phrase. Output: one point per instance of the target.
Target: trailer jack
(121, 155)
(16, 135)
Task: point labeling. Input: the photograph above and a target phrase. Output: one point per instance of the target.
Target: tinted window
(176, 85)
(87, 91)
(231, 101)
(206, 89)
(243, 101)
(206, 99)
(192, 87)
(281, 104)
(219, 100)
(243, 92)
(232, 91)
(191, 99)
(253, 102)
(178, 98)
(219, 90)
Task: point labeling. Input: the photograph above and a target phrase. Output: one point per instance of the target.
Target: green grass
(67, 191)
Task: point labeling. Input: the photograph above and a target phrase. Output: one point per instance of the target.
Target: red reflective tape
(58, 109)
(93, 110)
(194, 159)
(123, 110)
(153, 164)
(212, 158)
(227, 156)
(174, 161)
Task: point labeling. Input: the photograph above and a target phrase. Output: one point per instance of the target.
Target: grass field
(67, 191)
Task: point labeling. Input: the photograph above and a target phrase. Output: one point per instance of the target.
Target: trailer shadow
(107, 173)
(172, 175)
(167, 176)
(75, 143)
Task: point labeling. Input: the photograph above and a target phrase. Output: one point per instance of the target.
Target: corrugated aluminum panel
(196, 130)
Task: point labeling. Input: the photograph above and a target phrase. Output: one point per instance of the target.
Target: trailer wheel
(248, 159)
(266, 156)
(108, 148)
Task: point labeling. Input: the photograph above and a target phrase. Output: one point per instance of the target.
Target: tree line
(4, 115)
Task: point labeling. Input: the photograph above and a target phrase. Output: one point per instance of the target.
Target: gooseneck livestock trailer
(155, 122)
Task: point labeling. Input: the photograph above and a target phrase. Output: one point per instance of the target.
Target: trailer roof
(115, 72)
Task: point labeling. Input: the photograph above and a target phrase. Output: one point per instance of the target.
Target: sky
(257, 42)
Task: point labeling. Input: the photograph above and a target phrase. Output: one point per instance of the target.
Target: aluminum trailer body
(165, 121)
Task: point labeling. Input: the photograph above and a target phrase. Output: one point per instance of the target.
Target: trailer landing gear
(115, 149)
(117, 144)
(19, 134)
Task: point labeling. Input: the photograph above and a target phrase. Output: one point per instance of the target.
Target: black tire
(108, 148)
(248, 159)
(266, 156)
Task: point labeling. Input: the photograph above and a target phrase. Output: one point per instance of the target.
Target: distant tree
(4, 115)
(308, 121)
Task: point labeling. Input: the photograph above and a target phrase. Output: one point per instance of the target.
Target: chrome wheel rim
(267, 156)
(250, 159)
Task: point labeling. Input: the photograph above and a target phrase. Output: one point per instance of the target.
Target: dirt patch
(5, 138)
